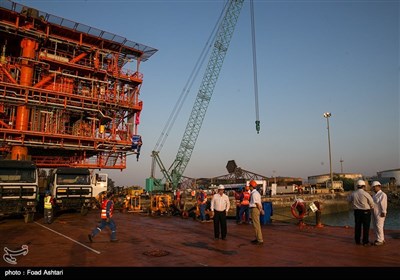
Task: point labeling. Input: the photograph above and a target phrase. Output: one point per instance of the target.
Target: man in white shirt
(362, 204)
(255, 211)
(380, 211)
(220, 205)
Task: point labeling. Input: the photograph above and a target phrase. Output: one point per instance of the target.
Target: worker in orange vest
(107, 208)
(237, 195)
(244, 205)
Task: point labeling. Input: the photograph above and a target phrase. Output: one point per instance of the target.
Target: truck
(76, 188)
(99, 183)
(19, 188)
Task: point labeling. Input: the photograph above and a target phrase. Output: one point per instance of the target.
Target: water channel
(347, 219)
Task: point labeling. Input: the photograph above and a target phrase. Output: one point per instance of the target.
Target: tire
(84, 211)
(28, 217)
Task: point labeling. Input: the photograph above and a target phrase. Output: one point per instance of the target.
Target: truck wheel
(28, 217)
(84, 211)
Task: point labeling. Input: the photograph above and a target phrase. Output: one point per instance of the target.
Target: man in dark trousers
(220, 205)
(362, 204)
(107, 208)
(48, 207)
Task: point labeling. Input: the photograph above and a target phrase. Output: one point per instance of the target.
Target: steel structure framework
(67, 97)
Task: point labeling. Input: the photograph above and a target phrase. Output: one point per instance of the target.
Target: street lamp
(327, 115)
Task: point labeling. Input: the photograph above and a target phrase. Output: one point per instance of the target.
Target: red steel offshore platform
(65, 97)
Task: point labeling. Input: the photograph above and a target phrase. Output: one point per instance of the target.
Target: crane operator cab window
(136, 145)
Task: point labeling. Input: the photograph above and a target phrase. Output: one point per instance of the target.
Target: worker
(244, 205)
(137, 143)
(107, 208)
(202, 203)
(255, 211)
(178, 199)
(220, 206)
(48, 207)
(362, 203)
(237, 194)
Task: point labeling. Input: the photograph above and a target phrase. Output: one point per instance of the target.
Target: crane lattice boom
(220, 48)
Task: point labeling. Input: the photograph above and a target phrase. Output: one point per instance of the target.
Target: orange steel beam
(105, 161)
(78, 57)
(44, 80)
(4, 124)
(8, 75)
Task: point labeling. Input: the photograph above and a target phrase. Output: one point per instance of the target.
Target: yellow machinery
(160, 204)
(133, 200)
(135, 191)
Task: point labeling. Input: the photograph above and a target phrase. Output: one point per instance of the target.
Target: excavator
(173, 175)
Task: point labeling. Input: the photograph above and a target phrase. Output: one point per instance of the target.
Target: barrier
(268, 212)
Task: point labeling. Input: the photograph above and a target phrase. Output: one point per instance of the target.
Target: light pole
(341, 165)
(327, 115)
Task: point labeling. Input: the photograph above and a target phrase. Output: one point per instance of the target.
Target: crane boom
(220, 48)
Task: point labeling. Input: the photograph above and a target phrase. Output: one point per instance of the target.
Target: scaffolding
(67, 96)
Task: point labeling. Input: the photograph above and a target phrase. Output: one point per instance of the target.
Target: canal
(347, 219)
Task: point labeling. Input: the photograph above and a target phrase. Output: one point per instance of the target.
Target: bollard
(318, 214)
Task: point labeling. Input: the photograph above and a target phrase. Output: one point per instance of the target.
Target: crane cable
(253, 37)
(185, 91)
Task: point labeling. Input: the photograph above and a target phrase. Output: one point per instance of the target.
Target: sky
(313, 57)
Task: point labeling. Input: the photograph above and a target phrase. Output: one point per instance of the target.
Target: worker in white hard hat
(220, 206)
(380, 212)
(362, 203)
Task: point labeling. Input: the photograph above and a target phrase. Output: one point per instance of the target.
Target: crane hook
(258, 126)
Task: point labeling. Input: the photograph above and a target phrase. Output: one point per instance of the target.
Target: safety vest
(47, 202)
(246, 198)
(104, 209)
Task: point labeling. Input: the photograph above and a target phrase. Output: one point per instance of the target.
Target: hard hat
(221, 187)
(240, 188)
(253, 183)
(360, 183)
(375, 183)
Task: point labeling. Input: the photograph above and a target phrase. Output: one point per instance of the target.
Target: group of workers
(248, 202)
(366, 206)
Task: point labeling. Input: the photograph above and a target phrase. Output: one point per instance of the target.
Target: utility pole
(327, 115)
(341, 165)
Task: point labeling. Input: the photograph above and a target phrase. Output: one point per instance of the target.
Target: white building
(323, 178)
(392, 175)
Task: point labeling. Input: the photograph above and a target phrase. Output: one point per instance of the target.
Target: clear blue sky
(312, 56)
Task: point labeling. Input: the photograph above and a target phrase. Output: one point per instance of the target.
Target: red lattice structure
(67, 97)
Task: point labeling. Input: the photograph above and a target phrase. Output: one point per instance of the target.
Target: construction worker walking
(48, 208)
(107, 208)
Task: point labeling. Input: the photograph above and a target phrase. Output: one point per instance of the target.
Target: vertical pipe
(29, 48)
